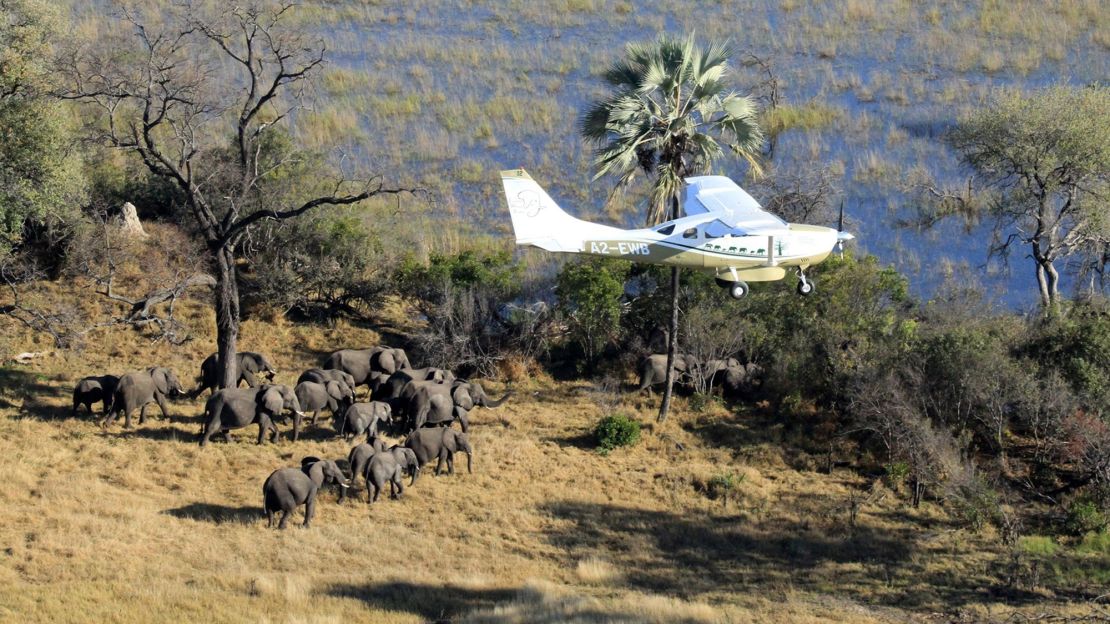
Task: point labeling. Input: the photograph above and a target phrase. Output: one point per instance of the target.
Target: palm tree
(667, 118)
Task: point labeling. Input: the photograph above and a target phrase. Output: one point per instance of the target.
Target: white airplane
(725, 232)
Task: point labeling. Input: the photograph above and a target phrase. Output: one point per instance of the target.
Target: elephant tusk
(344, 485)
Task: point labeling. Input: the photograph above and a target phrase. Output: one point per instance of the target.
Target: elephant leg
(269, 518)
(227, 435)
(309, 508)
(375, 488)
(439, 463)
(212, 427)
(296, 427)
(263, 428)
(142, 414)
(450, 463)
(162, 405)
(284, 518)
(249, 377)
(400, 483)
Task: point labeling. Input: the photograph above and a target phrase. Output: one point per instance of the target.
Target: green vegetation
(590, 294)
(615, 431)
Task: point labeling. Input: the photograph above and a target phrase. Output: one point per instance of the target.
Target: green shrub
(896, 473)
(590, 294)
(701, 401)
(1085, 516)
(1038, 545)
(724, 486)
(616, 430)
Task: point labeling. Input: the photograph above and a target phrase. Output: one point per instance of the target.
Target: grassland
(717, 516)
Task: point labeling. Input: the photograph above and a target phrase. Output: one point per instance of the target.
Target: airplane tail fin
(537, 219)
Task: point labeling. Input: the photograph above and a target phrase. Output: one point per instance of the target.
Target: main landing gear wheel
(805, 287)
(737, 290)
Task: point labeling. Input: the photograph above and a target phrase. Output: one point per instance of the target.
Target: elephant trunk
(415, 473)
(486, 402)
(469, 461)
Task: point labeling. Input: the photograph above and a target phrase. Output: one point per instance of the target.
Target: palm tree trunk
(672, 348)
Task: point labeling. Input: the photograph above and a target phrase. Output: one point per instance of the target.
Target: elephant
(251, 366)
(89, 390)
(232, 408)
(359, 459)
(288, 488)
(334, 395)
(653, 368)
(137, 390)
(438, 404)
(364, 417)
(442, 443)
(324, 375)
(395, 385)
(361, 363)
(736, 379)
(389, 466)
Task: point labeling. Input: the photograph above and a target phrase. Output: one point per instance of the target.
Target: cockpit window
(666, 230)
(690, 233)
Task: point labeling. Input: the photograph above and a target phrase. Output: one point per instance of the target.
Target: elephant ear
(161, 383)
(461, 396)
(270, 400)
(335, 391)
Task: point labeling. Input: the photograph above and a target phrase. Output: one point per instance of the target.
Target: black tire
(737, 290)
(805, 288)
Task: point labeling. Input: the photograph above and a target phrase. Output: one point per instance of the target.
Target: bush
(1084, 516)
(724, 486)
(590, 294)
(466, 299)
(616, 430)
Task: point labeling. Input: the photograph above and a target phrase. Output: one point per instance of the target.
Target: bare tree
(173, 88)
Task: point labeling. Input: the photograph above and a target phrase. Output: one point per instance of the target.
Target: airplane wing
(722, 198)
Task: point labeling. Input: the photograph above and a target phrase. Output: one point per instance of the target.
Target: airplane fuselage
(750, 258)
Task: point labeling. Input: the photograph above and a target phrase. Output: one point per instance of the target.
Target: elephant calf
(389, 466)
(359, 459)
(89, 390)
(364, 417)
(288, 488)
(442, 443)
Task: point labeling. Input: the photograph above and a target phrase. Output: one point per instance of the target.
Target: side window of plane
(666, 231)
(690, 233)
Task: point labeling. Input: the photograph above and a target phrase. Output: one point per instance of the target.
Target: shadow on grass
(436, 603)
(217, 514)
(29, 392)
(165, 433)
(694, 555)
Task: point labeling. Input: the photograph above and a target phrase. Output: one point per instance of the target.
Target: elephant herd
(728, 374)
(419, 404)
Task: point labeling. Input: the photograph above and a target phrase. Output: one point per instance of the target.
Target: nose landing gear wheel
(805, 287)
(737, 290)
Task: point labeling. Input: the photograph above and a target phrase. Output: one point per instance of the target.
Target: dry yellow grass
(144, 525)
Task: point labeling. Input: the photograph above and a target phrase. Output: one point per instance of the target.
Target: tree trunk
(672, 348)
(227, 316)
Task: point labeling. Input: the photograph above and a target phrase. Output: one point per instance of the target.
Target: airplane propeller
(841, 235)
